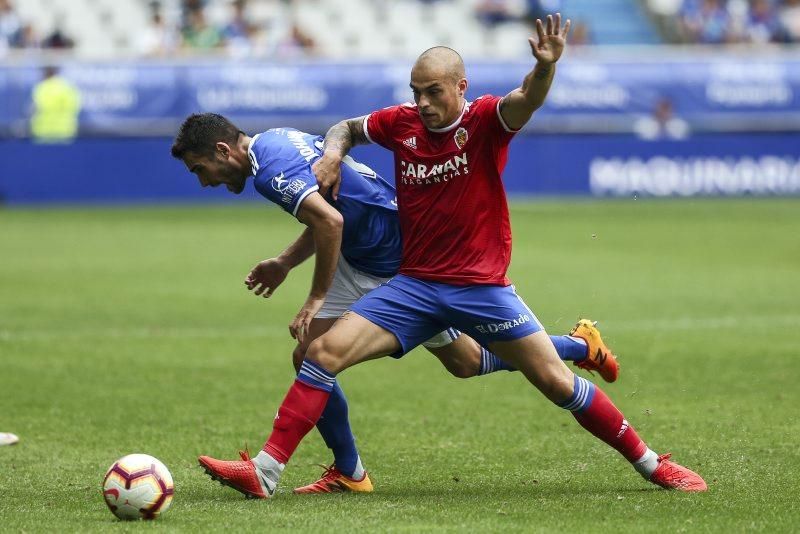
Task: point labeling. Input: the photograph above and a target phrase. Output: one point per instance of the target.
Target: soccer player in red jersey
(449, 157)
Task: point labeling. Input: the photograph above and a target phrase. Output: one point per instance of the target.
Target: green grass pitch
(130, 330)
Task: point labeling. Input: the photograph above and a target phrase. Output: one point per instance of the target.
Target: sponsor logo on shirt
(461, 137)
(287, 187)
(421, 174)
(279, 183)
(411, 142)
(493, 328)
(295, 186)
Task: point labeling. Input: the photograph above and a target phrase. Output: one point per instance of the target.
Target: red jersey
(450, 197)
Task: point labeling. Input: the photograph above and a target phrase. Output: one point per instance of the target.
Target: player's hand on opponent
(265, 277)
(299, 327)
(552, 39)
(328, 171)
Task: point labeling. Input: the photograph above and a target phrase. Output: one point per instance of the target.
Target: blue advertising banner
(589, 95)
(142, 170)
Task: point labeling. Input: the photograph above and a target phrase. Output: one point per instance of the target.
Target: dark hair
(200, 132)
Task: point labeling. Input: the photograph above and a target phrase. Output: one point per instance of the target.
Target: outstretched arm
(338, 141)
(518, 106)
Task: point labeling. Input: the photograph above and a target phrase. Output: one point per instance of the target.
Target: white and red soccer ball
(138, 486)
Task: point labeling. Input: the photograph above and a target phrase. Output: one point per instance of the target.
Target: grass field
(129, 330)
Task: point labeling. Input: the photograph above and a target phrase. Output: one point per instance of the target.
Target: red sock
(297, 415)
(605, 421)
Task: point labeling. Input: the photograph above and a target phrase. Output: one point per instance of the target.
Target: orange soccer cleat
(240, 475)
(673, 476)
(599, 357)
(333, 481)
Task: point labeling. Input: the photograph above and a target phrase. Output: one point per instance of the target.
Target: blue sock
(582, 395)
(570, 348)
(491, 363)
(334, 425)
(316, 376)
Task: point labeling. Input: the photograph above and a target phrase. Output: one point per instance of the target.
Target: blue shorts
(415, 310)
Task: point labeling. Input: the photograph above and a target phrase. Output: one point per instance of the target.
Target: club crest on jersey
(279, 183)
(461, 137)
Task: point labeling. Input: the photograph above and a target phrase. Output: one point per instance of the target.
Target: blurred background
(653, 98)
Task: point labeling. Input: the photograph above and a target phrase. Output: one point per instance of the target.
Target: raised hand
(552, 39)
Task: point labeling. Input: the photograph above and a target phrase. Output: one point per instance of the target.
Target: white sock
(359, 472)
(268, 470)
(646, 464)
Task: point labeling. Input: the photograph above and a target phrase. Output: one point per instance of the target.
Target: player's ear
(223, 149)
(462, 87)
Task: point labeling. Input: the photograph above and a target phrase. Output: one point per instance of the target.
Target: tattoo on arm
(541, 72)
(345, 135)
(357, 133)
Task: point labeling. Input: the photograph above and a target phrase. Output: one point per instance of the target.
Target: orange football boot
(333, 481)
(599, 357)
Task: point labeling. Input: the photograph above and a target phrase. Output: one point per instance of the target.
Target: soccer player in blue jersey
(356, 239)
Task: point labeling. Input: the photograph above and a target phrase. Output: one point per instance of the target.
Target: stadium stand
(360, 29)
(377, 29)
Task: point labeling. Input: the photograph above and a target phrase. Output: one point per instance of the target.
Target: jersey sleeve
(378, 126)
(489, 109)
(286, 189)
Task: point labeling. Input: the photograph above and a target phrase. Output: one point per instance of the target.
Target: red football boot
(673, 476)
(240, 475)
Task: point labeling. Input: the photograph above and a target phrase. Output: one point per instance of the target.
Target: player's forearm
(537, 84)
(343, 136)
(518, 106)
(299, 251)
(327, 239)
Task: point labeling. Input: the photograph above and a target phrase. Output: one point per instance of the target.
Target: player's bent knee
(558, 388)
(327, 355)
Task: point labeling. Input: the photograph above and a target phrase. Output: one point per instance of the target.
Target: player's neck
(244, 142)
(243, 150)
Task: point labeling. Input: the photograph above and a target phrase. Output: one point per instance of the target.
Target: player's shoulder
(483, 102)
(274, 134)
(265, 148)
(406, 110)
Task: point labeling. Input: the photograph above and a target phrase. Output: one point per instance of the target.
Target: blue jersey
(281, 161)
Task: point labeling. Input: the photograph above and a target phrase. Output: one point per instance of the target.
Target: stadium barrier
(621, 165)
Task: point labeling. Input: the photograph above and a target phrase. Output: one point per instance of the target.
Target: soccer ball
(138, 486)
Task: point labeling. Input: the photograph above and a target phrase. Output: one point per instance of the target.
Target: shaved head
(440, 62)
(439, 83)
